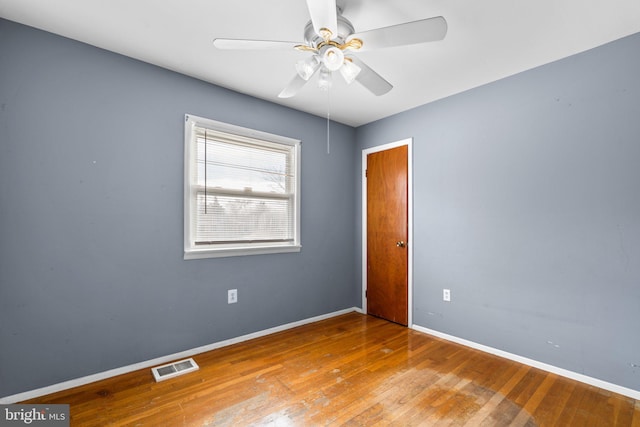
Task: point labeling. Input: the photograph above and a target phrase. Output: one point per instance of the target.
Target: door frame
(365, 152)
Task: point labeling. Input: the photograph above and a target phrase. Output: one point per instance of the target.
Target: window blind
(244, 190)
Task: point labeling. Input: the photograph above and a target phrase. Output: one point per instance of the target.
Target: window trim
(191, 251)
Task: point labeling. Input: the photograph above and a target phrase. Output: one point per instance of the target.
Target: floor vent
(174, 369)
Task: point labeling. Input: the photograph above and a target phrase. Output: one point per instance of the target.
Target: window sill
(240, 251)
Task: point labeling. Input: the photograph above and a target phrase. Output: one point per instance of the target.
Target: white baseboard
(634, 394)
(162, 360)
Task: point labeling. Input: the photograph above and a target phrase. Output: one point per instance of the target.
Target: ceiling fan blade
(293, 87)
(424, 30)
(370, 79)
(240, 44)
(323, 15)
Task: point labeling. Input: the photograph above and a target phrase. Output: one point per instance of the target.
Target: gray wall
(527, 206)
(91, 216)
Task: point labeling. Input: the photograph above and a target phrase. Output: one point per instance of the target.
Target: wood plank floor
(352, 370)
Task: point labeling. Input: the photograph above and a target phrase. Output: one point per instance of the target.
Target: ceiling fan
(331, 39)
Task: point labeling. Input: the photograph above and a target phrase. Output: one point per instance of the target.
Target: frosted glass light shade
(325, 79)
(349, 71)
(307, 67)
(333, 58)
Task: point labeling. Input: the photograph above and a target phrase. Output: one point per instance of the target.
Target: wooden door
(387, 234)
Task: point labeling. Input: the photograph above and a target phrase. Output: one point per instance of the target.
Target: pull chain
(328, 121)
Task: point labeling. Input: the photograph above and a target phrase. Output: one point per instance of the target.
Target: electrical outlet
(446, 295)
(232, 296)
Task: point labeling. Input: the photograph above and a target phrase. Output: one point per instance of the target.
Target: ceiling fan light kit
(328, 35)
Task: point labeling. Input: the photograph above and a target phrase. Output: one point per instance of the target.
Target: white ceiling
(486, 41)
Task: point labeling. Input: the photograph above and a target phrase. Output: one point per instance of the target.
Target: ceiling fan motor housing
(313, 39)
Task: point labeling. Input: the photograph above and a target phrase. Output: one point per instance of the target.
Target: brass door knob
(401, 244)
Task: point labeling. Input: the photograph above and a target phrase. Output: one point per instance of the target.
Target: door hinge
(366, 173)
(365, 293)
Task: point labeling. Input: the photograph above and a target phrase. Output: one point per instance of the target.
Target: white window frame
(191, 251)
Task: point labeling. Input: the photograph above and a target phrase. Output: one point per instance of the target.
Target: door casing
(409, 143)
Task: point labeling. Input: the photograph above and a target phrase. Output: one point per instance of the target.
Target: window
(242, 191)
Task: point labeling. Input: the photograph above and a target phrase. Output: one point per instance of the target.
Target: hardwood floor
(352, 370)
